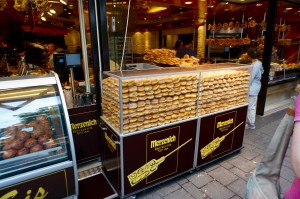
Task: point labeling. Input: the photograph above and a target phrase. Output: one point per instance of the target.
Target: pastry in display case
(35, 132)
(221, 90)
(157, 97)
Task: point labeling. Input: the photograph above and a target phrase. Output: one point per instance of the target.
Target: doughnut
(142, 98)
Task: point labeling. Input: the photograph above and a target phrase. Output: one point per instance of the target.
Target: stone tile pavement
(227, 178)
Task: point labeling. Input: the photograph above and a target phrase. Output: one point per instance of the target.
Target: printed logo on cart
(80, 125)
(111, 143)
(224, 123)
(156, 143)
(213, 145)
(41, 193)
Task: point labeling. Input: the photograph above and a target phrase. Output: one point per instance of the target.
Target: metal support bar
(83, 45)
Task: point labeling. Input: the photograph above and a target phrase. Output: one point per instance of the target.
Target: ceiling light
(226, 2)
(188, 2)
(42, 14)
(259, 4)
(242, 0)
(49, 13)
(226, 9)
(249, 18)
(63, 1)
(289, 8)
(145, 18)
(52, 11)
(43, 18)
(159, 17)
(69, 13)
(71, 5)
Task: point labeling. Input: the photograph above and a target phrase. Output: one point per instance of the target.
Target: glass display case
(156, 97)
(35, 133)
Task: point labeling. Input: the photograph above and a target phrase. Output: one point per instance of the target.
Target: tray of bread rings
(137, 100)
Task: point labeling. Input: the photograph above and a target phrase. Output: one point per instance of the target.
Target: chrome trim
(98, 47)
(68, 124)
(28, 81)
(122, 165)
(83, 46)
(35, 173)
(197, 143)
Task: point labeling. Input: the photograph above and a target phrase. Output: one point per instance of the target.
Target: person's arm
(254, 72)
(295, 150)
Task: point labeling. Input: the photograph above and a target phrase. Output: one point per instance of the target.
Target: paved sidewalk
(227, 178)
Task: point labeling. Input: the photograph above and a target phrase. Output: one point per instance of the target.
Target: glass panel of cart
(33, 133)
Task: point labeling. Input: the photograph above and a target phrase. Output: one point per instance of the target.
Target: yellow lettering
(10, 195)
(110, 141)
(224, 123)
(41, 193)
(156, 143)
(83, 124)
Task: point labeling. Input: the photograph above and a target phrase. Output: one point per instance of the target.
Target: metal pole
(83, 45)
(72, 82)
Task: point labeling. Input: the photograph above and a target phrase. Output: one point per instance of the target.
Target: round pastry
(150, 92)
(162, 81)
(30, 142)
(158, 95)
(141, 104)
(142, 98)
(42, 139)
(162, 86)
(133, 99)
(140, 89)
(148, 88)
(154, 81)
(183, 83)
(133, 94)
(139, 83)
(7, 145)
(17, 144)
(133, 105)
(150, 97)
(36, 148)
(36, 133)
(133, 89)
(130, 83)
(10, 153)
(140, 119)
(169, 99)
(146, 82)
(220, 26)
(141, 94)
(125, 96)
(154, 101)
(252, 23)
(155, 87)
(158, 91)
(32, 123)
(23, 135)
(22, 151)
(175, 80)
